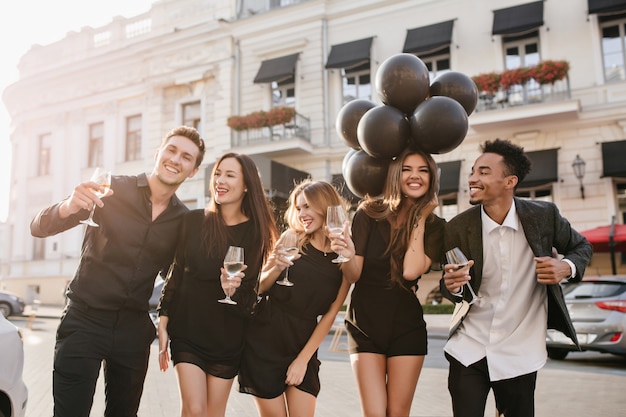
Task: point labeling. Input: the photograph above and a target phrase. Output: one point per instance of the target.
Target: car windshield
(593, 289)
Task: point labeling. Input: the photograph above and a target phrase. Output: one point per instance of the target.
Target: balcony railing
(298, 128)
(525, 94)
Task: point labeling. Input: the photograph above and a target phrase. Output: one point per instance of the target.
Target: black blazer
(545, 229)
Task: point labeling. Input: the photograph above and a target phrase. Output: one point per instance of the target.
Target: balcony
(524, 96)
(530, 92)
(292, 137)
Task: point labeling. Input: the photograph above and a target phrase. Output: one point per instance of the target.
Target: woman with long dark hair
(206, 337)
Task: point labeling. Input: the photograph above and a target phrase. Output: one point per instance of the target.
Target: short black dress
(203, 331)
(284, 323)
(384, 317)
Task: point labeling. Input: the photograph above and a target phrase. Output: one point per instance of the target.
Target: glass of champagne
(457, 257)
(233, 264)
(102, 177)
(290, 246)
(335, 218)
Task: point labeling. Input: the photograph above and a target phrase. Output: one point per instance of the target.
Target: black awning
(544, 169)
(449, 180)
(606, 6)
(277, 69)
(428, 39)
(614, 159)
(518, 19)
(349, 54)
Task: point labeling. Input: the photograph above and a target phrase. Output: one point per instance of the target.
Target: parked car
(10, 304)
(154, 299)
(597, 306)
(13, 391)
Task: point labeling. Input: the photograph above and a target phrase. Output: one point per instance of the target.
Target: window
(540, 194)
(192, 115)
(613, 47)
(284, 93)
(133, 138)
(280, 73)
(356, 83)
(519, 52)
(39, 249)
(437, 65)
(353, 59)
(44, 154)
(96, 137)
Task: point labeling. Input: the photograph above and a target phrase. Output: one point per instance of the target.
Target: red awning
(599, 238)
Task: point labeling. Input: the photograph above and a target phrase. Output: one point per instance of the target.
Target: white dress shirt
(508, 324)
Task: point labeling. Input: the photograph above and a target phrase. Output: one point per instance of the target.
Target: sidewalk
(572, 393)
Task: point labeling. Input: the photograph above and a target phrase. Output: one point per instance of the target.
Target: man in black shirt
(106, 319)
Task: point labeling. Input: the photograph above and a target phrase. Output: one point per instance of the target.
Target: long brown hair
(389, 205)
(254, 205)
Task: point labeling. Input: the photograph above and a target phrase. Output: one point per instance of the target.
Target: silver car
(597, 306)
(11, 304)
(13, 391)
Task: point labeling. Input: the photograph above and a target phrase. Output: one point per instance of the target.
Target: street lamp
(579, 170)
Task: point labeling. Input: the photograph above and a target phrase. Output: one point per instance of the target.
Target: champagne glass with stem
(290, 246)
(335, 218)
(103, 178)
(233, 264)
(457, 257)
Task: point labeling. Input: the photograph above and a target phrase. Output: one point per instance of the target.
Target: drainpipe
(325, 82)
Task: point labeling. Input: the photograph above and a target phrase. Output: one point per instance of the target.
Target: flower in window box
(237, 123)
(549, 72)
(487, 83)
(517, 76)
(257, 120)
(280, 115)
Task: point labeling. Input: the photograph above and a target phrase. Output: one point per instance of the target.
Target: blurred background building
(107, 95)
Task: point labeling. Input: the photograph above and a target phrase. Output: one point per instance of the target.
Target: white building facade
(106, 96)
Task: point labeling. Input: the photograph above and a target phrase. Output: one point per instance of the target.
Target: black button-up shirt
(120, 259)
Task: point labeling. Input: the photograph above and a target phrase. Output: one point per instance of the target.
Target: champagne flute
(457, 257)
(290, 246)
(233, 264)
(102, 177)
(335, 218)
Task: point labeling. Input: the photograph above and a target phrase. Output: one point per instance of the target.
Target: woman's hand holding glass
(287, 252)
(341, 241)
(232, 273)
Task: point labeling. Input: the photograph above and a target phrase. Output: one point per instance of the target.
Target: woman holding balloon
(396, 239)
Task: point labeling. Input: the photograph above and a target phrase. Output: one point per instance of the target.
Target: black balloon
(347, 156)
(384, 132)
(402, 82)
(365, 175)
(348, 120)
(438, 125)
(458, 86)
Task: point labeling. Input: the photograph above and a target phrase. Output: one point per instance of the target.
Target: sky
(28, 22)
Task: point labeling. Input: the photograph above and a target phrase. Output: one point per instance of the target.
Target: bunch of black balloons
(415, 114)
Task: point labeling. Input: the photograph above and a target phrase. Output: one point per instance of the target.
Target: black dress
(384, 317)
(284, 324)
(202, 331)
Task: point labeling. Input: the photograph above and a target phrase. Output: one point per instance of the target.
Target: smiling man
(501, 343)
(106, 320)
